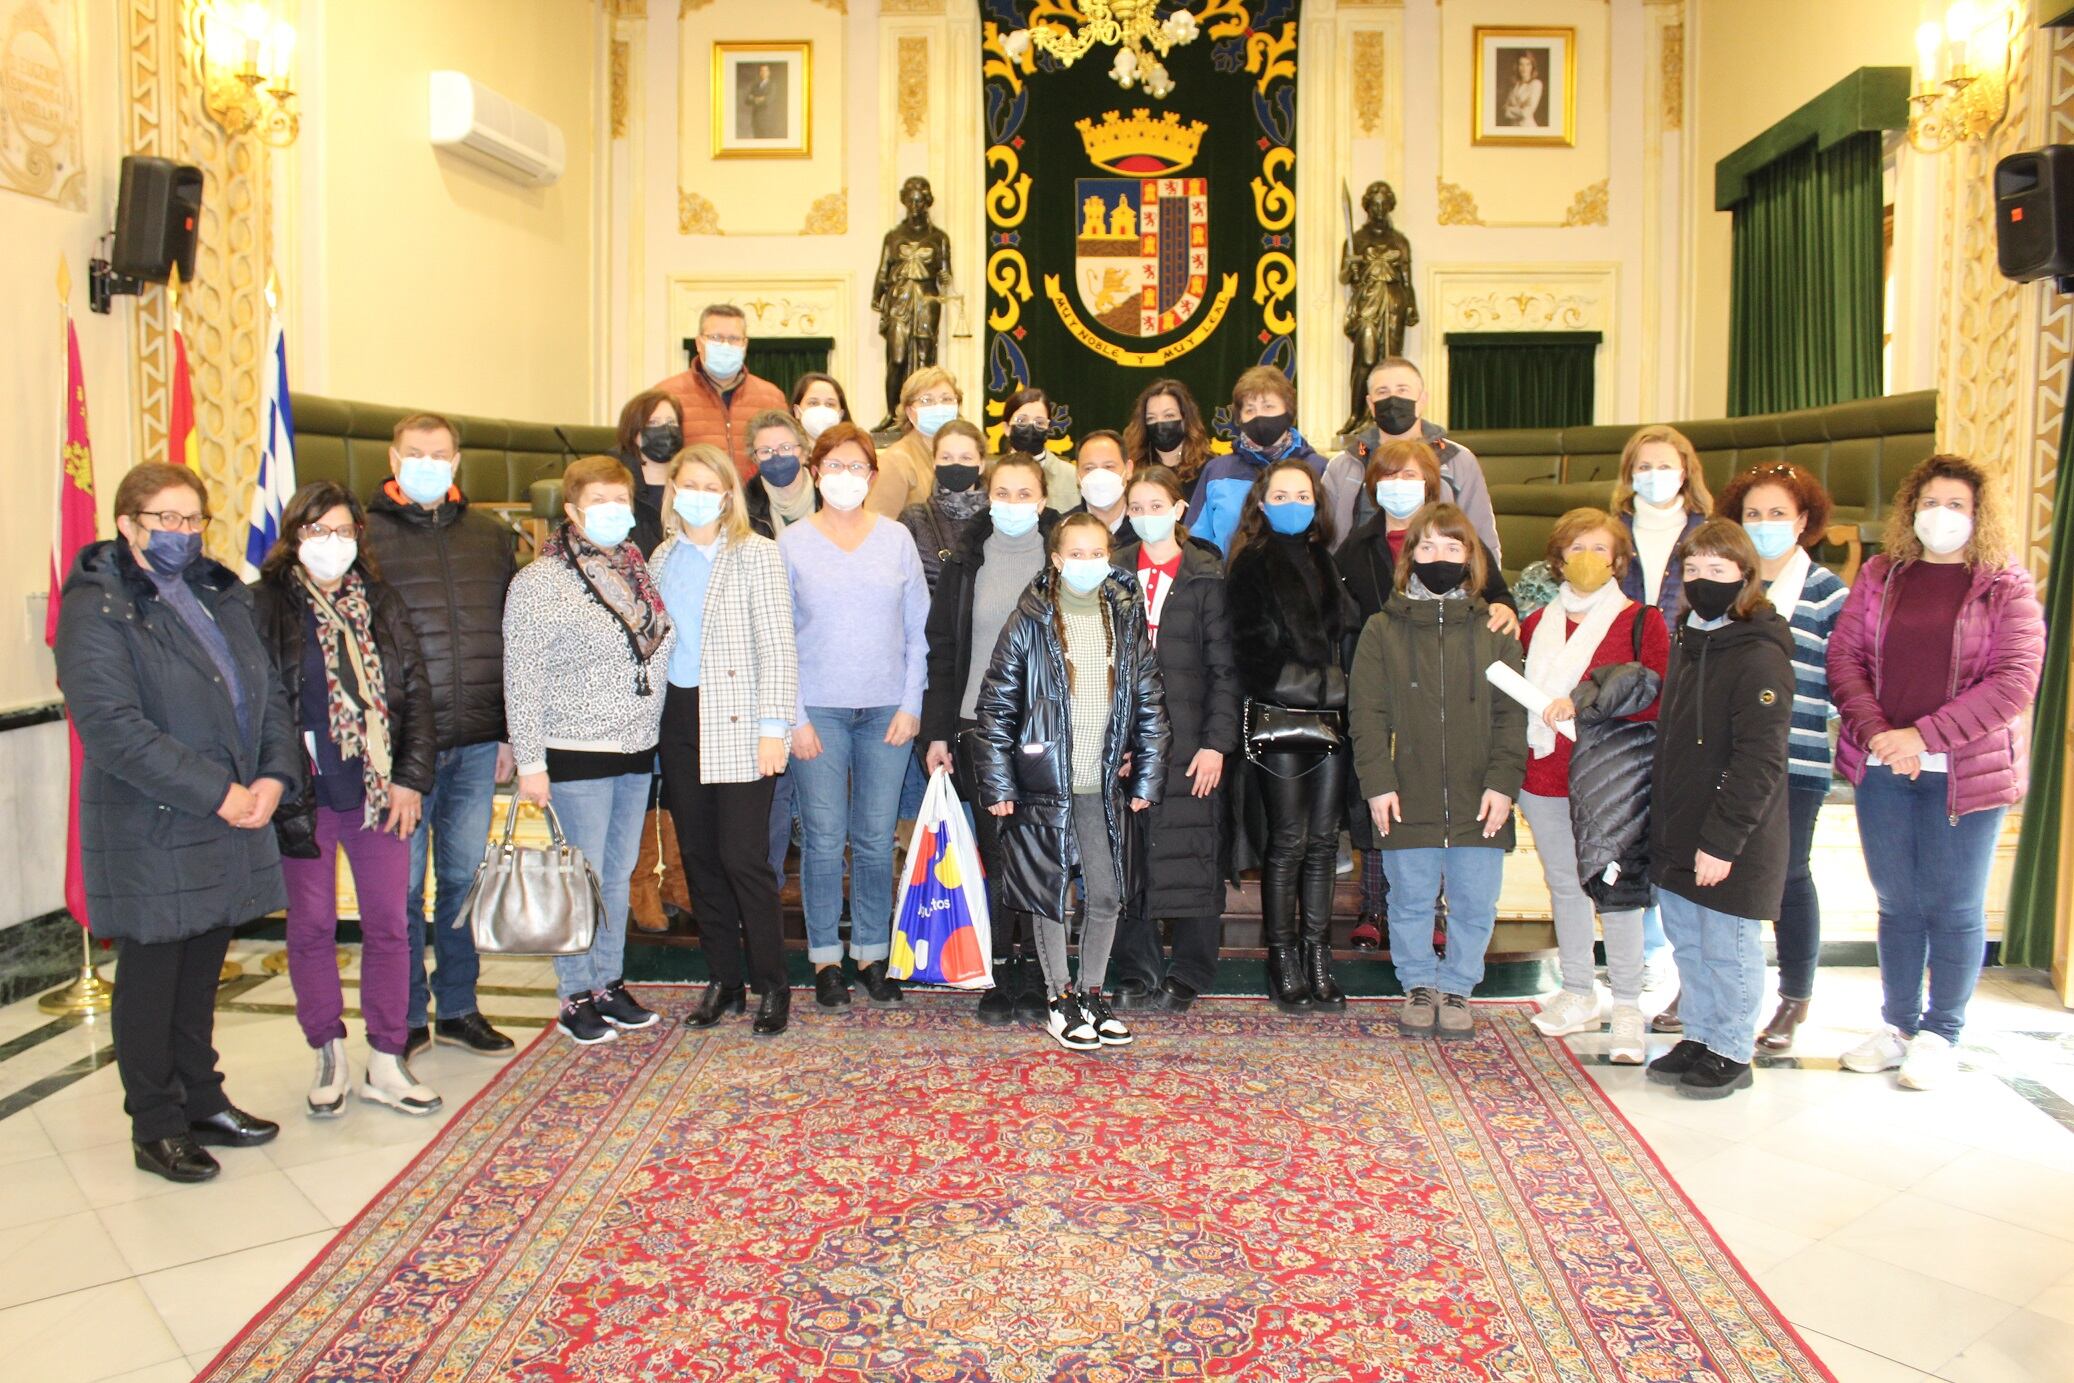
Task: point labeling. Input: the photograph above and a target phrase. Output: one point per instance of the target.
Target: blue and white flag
(276, 457)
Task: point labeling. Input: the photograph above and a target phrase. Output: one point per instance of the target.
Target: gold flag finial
(173, 294)
(64, 281)
(273, 291)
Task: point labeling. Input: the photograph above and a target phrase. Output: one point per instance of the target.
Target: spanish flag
(74, 527)
(180, 440)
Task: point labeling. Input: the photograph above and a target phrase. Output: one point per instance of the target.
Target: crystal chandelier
(1141, 40)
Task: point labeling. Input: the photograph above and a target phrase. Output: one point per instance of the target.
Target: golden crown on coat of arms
(1141, 139)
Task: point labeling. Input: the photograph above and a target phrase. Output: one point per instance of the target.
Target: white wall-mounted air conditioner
(475, 123)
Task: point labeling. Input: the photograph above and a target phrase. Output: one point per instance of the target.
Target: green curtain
(782, 359)
(1520, 378)
(1804, 287)
(2028, 933)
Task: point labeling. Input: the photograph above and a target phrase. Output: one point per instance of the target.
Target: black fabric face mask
(956, 479)
(1266, 429)
(1167, 435)
(1440, 577)
(1712, 599)
(662, 441)
(1028, 438)
(1395, 414)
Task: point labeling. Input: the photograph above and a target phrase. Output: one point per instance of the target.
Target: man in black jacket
(451, 564)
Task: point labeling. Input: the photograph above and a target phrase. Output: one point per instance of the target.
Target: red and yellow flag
(180, 440)
(75, 527)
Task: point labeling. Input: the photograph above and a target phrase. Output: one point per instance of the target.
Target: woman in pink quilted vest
(1933, 668)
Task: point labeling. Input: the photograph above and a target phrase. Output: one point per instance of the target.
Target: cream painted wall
(1755, 61)
(423, 278)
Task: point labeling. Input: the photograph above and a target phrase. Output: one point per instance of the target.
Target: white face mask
(844, 490)
(1101, 489)
(818, 418)
(1943, 531)
(1659, 487)
(328, 558)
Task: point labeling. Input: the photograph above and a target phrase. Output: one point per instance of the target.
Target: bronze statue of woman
(1381, 303)
(914, 276)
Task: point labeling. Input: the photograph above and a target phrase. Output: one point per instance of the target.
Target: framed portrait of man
(1525, 86)
(763, 100)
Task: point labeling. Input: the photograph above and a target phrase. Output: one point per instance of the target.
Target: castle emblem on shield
(1141, 234)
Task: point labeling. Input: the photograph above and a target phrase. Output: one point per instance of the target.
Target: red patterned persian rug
(904, 1194)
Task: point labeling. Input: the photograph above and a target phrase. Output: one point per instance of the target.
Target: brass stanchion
(89, 996)
(231, 970)
(276, 962)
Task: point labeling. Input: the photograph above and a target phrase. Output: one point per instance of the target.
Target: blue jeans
(1720, 974)
(602, 817)
(849, 794)
(1930, 874)
(1653, 938)
(1472, 875)
(784, 811)
(454, 830)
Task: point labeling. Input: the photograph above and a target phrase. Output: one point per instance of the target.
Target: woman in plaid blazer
(734, 686)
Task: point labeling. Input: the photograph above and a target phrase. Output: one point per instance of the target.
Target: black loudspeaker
(2034, 213)
(156, 214)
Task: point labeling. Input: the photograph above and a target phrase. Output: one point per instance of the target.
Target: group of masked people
(1147, 667)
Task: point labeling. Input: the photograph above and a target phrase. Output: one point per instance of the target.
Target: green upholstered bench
(501, 460)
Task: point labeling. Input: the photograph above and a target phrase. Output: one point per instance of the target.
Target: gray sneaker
(1416, 1018)
(1455, 1024)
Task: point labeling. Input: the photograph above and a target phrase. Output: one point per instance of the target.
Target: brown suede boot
(1777, 1036)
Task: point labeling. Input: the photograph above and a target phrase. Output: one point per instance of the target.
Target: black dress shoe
(831, 990)
(1175, 997)
(718, 1001)
(773, 1012)
(472, 1031)
(178, 1158)
(418, 1041)
(877, 987)
(233, 1128)
(1136, 993)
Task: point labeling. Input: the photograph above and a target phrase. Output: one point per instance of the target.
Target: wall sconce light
(246, 59)
(1962, 75)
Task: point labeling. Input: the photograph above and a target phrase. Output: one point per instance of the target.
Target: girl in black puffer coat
(1072, 740)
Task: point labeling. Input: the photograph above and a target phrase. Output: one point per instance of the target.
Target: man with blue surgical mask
(718, 396)
(452, 564)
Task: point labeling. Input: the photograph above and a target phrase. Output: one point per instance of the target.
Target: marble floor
(1909, 1236)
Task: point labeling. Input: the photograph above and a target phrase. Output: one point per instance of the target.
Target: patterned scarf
(620, 581)
(356, 689)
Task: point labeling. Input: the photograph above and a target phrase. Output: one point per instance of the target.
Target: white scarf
(1558, 659)
(1786, 586)
(1657, 530)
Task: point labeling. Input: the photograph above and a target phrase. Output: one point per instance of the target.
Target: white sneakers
(328, 1086)
(1629, 1035)
(1929, 1062)
(389, 1082)
(1882, 1051)
(1569, 1013)
(1069, 1025)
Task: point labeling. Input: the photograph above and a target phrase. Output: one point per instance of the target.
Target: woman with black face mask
(651, 433)
(940, 521)
(1263, 406)
(1025, 428)
(1166, 429)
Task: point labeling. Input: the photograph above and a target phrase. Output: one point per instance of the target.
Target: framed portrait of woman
(763, 100)
(1525, 86)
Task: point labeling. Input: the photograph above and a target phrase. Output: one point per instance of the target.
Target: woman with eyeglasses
(358, 691)
(860, 605)
(1026, 425)
(189, 749)
(781, 493)
(906, 470)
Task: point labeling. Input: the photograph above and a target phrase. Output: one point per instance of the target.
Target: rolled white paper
(1527, 694)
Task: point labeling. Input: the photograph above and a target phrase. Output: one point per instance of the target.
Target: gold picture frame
(1531, 105)
(763, 100)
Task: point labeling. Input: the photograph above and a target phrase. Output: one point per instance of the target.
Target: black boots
(773, 1012)
(997, 1005)
(718, 1001)
(1317, 971)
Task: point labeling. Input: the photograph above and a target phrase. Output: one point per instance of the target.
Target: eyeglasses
(934, 400)
(772, 453)
(174, 521)
(310, 532)
(863, 468)
(718, 340)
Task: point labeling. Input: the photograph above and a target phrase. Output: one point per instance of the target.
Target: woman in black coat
(1064, 759)
(189, 750)
(1181, 582)
(358, 691)
(1292, 622)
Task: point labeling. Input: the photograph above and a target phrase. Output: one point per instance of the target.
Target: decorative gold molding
(910, 6)
(913, 92)
(626, 9)
(839, 6)
(1366, 77)
(696, 215)
(152, 364)
(1672, 76)
(2055, 354)
(685, 7)
(1588, 207)
(1456, 206)
(1371, 4)
(1538, 307)
(829, 215)
(620, 48)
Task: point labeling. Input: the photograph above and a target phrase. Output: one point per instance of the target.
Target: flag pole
(88, 996)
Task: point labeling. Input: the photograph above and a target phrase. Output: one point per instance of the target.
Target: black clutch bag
(1272, 729)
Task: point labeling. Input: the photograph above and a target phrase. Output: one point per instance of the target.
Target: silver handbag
(533, 902)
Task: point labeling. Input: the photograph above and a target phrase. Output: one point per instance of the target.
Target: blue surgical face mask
(1084, 574)
(1290, 517)
(696, 507)
(1013, 520)
(930, 417)
(722, 361)
(1773, 538)
(1659, 487)
(1400, 498)
(171, 553)
(425, 479)
(608, 524)
(1154, 528)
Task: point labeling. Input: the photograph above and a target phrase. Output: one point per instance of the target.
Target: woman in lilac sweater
(1933, 666)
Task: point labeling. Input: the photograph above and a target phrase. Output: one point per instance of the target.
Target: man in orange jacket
(717, 395)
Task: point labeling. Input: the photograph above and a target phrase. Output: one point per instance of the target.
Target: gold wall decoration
(1588, 207)
(1536, 308)
(913, 95)
(620, 49)
(1367, 80)
(1672, 76)
(41, 146)
(910, 6)
(829, 215)
(146, 44)
(839, 6)
(1455, 206)
(627, 9)
(685, 7)
(2055, 351)
(696, 215)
